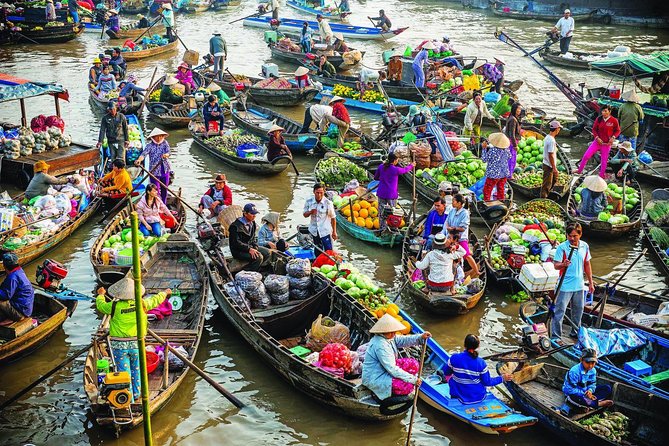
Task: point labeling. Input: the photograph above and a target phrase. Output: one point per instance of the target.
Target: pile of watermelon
(466, 170)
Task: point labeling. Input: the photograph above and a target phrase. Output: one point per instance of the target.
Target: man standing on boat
(630, 115)
(114, 127)
(324, 29)
(549, 165)
(168, 20)
(566, 27)
(275, 5)
(218, 49)
(323, 223)
(16, 292)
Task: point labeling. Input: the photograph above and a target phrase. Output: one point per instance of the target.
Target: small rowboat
(348, 31)
(439, 303)
(21, 338)
(303, 6)
(369, 235)
(540, 396)
(102, 103)
(133, 32)
(255, 165)
(527, 15)
(404, 90)
(595, 227)
(180, 265)
(300, 58)
(491, 416)
(277, 97)
(50, 34)
(131, 56)
(657, 176)
(580, 60)
(257, 121)
(173, 115)
(109, 273)
(659, 253)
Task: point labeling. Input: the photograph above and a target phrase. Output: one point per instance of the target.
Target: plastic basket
(123, 260)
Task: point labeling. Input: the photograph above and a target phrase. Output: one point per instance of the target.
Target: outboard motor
(49, 275)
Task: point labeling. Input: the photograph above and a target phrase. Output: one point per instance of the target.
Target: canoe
(348, 31)
(300, 58)
(131, 56)
(111, 273)
(547, 17)
(654, 352)
(256, 166)
(404, 90)
(439, 303)
(277, 97)
(302, 6)
(369, 235)
(180, 265)
(492, 247)
(52, 34)
(21, 338)
(133, 32)
(657, 177)
(196, 6)
(604, 229)
(257, 120)
(173, 115)
(101, 103)
(401, 105)
(659, 254)
(540, 397)
(580, 61)
(274, 331)
(564, 166)
(491, 416)
(370, 159)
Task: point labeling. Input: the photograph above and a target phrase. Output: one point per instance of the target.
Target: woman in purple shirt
(158, 150)
(388, 175)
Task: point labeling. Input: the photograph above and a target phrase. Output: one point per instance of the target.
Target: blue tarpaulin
(12, 88)
(610, 342)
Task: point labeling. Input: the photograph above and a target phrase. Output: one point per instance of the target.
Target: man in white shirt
(275, 5)
(324, 29)
(566, 27)
(550, 160)
(323, 221)
(321, 114)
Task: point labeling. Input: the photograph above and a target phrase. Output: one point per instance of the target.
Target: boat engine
(115, 388)
(535, 337)
(49, 275)
(207, 236)
(390, 120)
(393, 217)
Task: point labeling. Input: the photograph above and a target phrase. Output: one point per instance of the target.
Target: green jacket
(124, 323)
(629, 116)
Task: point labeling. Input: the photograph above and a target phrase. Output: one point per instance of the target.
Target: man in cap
(168, 20)
(114, 127)
(566, 27)
(243, 242)
(382, 21)
(322, 218)
(630, 116)
(217, 197)
(324, 29)
(94, 72)
(41, 181)
(549, 165)
(580, 385)
(16, 291)
(625, 161)
(219, 49)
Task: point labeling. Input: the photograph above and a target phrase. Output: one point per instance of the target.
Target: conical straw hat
(387, 324)
(124, 289)
(499, 140)
(595, 183)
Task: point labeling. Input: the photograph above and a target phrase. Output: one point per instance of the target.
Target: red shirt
(606, 129)
(339, 111)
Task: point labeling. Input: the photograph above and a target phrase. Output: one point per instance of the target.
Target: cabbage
(604, 216)
(327, 268)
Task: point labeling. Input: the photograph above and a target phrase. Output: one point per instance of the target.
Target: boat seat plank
(657, 378)
(15, 329)
(547, 395)
(274, 310)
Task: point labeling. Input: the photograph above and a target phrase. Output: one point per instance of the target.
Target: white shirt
(549, 148)
(321, 115)
(321, 223)
(441, 264)
(324, 29)
(368, 75)
(471, 112)
(566, 26)
(275, 4)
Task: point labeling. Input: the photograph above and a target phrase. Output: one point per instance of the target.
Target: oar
(647, 293)
(255, 14)
(170, 191)
(416, 391)
(658, 173)
(182, 42)
(290, 160)
(146, 95)
(229, 396)
(127, 195)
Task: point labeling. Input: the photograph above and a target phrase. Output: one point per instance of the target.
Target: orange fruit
(356, 206)
(379, 313)
(407, 328)
(402, 223)
(376, 223)
(391, 311)
(375, 204)
(373, 212)
(360, 222)
(364, 204)
(395, 307)
(346, 211)
(369, 224)
(349, 219)
(356, 214)
(364, 213)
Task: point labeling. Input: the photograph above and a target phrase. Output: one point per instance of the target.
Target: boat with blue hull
(348, 31)
(303, 6)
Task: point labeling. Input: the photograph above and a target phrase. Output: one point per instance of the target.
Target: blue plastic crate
(638, 368)
(301, 253)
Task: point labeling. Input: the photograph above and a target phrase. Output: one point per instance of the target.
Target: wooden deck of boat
(547, 395)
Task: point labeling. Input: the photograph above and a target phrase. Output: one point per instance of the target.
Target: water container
(271, 36)
(613, 92)
(103, 365)
(270, 69)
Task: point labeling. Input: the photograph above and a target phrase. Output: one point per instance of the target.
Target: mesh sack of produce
(421, 149)
(298, 268)
(324, 331)
(248, 280)
(236, 294)
(422, 162)
(299, 283)
(258, 297)
(275, 284)
(279, 299)
(296, 294)
(409, 365)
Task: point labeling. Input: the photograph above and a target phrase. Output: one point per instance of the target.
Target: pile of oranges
(363, 213)
(394, 311)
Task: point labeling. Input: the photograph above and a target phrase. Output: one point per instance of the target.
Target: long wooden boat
(547, 17)
(110, 273)
(274, 331)
(134, 32)
(304, 7)
(277, 97)
(257, 120)
(102, 103)
(298, 57)
(404, 90)
(180, 265)
(655, 351)
(22, 338)
(48, 35)
(401, 105)
(542, 395)
(659, 254)
(579, 61)
(657, 176)
(598, 228)
(564, 166)
(439, 303)
(256, 165)
(490, 416)
(348, 31)
(131, 56)
(370, 159)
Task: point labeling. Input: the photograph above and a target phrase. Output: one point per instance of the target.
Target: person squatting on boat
(16, 292)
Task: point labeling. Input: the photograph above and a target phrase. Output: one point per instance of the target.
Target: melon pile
(363, 213)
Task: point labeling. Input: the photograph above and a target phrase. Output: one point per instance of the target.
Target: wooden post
(57, 106)
(24, 119)
(166, 366)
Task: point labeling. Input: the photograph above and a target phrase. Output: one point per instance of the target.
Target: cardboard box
(538, 276)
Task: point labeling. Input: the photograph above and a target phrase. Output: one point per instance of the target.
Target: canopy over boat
(635, 64)
(14, 88)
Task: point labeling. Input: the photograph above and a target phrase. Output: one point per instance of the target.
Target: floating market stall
(101, 100)
(278, 92)
(405, 90)
(288, 51)
(175, 115)
(506, 12)
(133, 32)
(330, 12)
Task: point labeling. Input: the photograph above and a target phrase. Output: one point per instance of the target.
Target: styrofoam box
(538, 276)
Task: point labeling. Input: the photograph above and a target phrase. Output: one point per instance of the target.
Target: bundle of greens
(658, 211)
(612, 425)
(660, 237)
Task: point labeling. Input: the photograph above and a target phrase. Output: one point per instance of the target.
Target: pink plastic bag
(339, 373)
(417, 275)
(55, 121)
(38, 123)
(162, 310)
(409, 365)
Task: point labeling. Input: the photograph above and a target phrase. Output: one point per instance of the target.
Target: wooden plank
(61, 161)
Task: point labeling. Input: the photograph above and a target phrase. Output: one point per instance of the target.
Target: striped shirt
(470, 377)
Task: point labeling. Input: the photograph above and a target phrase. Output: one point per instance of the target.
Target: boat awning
(13, 88)
(634, 64)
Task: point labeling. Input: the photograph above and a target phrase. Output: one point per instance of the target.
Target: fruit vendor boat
(540, 393)
(257, 165)
(102, 103)
(131, 56)
(528, 175)
(655, 231)
(258, 120)
(490, 416)
(277, 97)
(551, 214)
(630, 355)
(177, 264)
(173, 115)
(435, 302)
(133, 7)
(404, 91)
(133, 32)
(531, 15)
(626, 222)
(110, 269)
(299, 58)
(378, 107)
(41, 34)
(348, 31)
(307, 8)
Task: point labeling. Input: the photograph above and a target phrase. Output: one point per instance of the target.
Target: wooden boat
(256, 165)
(542, 395)
(134, 32)
(258, 120)
(490, 416)
(110, 273)
(439, 303)
(348, 31)
(654, 352)
(299, 58)
(196, 6)
(404, 90)
(547, 17)
(659, 254)
(304, 7)
(370, 159)
(174, 115)
(369, 235)
(221, 4)
(580, 61)
(594, 227)
(273, 331)
(657, 177)
(277, 97)
(102, 103)
(131, 56)
(47, 35)
(21, 338)
(401, 105)
(180, 265)
(564, 166)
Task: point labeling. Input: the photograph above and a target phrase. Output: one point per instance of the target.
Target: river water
(56, 411)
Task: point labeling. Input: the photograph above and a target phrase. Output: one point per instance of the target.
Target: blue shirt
(498, 162)
(574, 273)
(470, 378)
(129, 87)
(434, 220)
(379, 368)
(577, 381)
(17, 289)
(458, 219)
(592, 203)
(420, 58)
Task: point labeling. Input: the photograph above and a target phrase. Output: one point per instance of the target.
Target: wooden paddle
(647, 293)
(416, 391)
(255, 14)
(141, 106)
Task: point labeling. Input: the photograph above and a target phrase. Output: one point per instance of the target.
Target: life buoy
(395, 405)
(495, 213)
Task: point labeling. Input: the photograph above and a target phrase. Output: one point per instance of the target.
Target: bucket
(614, 92)
(152, 361)
(103, 366)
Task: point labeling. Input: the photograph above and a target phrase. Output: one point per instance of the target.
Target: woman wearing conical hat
(158, 151)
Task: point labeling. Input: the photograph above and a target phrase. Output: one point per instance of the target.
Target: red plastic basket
(152, 361)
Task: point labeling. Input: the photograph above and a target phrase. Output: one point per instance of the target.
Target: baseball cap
(250, 208)
(555, 125)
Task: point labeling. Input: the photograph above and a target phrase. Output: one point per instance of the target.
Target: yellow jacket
(120, 181)
(123, 322)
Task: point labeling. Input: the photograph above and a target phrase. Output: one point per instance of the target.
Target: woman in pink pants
(605, 130)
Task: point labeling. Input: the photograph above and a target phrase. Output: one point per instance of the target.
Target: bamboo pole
(417, 391)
